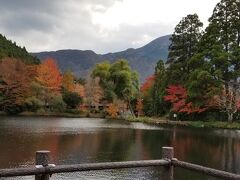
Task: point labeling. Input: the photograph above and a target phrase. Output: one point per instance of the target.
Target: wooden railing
(43, 169)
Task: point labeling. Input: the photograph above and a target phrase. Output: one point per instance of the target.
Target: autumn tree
(68, 81)
(112, 110)
(147, 85)
(177, 96)
(15, 83)
(49, 77)
(93, 92)
(79, 89)
(146, 91)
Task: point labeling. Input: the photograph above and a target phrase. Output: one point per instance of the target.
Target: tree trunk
(130, 108)
(230, 117)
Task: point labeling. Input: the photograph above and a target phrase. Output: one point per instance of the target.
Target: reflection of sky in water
(228, 133)
(72, 126)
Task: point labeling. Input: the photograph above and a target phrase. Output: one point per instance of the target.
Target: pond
(84, 140)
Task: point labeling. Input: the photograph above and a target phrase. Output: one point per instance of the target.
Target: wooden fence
(43, 169)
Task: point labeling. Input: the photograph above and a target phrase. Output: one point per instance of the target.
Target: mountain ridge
(142, 59)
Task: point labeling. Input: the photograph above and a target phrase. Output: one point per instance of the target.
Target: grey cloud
(127, 35)
(60, 24)
(43, 15)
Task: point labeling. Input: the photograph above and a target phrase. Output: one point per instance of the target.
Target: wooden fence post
(167, 153)
(42, 158)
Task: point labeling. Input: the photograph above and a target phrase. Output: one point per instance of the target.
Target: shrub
(33, 104)
(58, 105)
(13, 109)
(112, 110)
(73, 111)
(72, 99)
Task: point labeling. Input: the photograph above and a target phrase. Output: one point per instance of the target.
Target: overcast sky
(100, 25)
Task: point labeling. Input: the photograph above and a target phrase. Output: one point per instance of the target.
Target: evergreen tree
(158, 90)
(184, 44)
(220, 47)
(10, 49)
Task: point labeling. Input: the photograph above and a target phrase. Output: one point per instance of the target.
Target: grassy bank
(196, 124)
(148, 120)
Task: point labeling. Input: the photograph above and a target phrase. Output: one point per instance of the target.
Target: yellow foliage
(68, 81)
(112, 110)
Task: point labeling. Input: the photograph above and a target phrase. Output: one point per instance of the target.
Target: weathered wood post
(167, 153)
(42, 158)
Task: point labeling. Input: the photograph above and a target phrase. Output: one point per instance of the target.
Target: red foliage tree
(147, 85)
(177, 95)
(16, 78)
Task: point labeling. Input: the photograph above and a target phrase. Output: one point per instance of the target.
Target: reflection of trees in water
(208, 150)
(218, 150)
(106, 145)
(230, 155)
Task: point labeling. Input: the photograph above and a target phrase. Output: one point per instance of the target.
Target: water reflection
(97, 140)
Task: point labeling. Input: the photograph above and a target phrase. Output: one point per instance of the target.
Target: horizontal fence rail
(205, 170)
(43, 169)
(80, 167)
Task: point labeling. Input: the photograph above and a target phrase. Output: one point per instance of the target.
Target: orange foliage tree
(49, 76)
(16, 78)
(69, 84)
(112, 110)
(79, 89)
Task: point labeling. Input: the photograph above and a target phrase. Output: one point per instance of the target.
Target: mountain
(10, 49)
(141, 59)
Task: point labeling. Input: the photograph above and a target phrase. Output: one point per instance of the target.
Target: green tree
(125, 80)
(11, 50)
(158, 90)
(118, 81)
(57, 104)
(184, 44)
(101, 71)
(33, 104)
(220, 47)
(72, 99)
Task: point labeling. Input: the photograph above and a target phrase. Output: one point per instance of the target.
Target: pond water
(83, 140)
